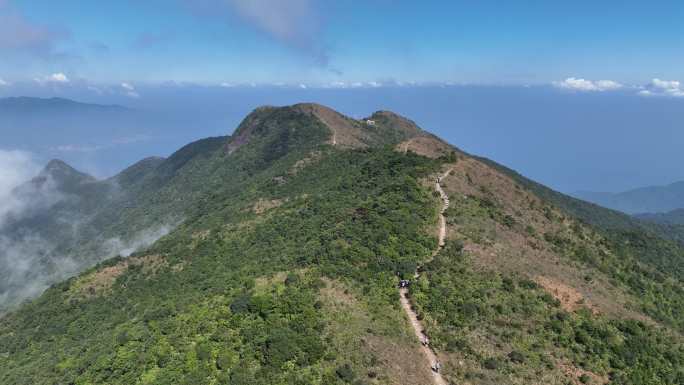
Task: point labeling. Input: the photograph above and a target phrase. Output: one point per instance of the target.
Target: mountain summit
(314, 248)
(64, 173)
(379, 129)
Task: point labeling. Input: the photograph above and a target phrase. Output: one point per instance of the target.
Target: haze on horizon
(547, 89)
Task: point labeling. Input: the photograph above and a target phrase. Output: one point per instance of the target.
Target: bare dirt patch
(569, 298)
(574, 374)
(263, 205)
(426, 146)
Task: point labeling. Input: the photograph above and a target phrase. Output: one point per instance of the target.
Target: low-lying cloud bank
(16, 168)
(29, 262)
(657, 87)
(579, 84)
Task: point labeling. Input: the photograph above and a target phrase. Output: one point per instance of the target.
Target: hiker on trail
(436, 367)
(425, 341)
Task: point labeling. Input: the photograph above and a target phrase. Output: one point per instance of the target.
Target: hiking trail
(403, 292)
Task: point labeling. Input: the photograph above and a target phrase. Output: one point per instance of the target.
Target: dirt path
(403, 293)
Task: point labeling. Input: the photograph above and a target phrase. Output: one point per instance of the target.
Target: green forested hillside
(284, 264)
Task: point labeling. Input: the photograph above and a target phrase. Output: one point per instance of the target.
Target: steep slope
(296, 231)
(525, 293)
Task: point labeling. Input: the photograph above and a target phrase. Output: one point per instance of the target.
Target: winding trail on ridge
(403, 292)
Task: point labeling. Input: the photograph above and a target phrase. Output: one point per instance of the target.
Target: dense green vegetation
(530, 332)
(269, 218)
(201, 317)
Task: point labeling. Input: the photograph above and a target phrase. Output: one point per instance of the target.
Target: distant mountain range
(58, 115)
(674, 217)
(653, 199)
(24, 104)
(83, 133)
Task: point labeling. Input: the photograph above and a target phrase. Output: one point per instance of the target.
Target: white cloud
(56, 78)
(94, 89)
(142, 240)
(579, 84)
(606, 85)
(665, 84)
(337, 84)
(3, 83)
(20, 36)
(295, 23)
(658, 87)
(129, 90)
(77, 148)
(16, 167)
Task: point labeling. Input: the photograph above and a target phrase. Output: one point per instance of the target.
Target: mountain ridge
(284, 267)
(650, 199)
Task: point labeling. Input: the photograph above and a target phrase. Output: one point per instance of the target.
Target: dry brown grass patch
(101, 281)
(402, 363)
(358, 336)
(522, 248)
(346, 133)
(426, 146)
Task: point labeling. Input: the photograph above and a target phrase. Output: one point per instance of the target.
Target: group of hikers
(425, 341)
(436, 366)
(404, 283)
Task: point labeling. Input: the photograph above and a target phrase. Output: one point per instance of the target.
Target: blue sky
(579, 95)
(325, 41)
